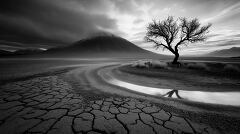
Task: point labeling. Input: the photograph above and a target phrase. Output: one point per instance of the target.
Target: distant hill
(102, 46)
(21, 52)
(28, 51)
(5, 53)
(232, 52)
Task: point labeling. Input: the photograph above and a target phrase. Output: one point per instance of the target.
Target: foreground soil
(73, 102)
(50, 105)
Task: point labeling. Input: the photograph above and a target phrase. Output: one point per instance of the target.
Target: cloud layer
(48, 23)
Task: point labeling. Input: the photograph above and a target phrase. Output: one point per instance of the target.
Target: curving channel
(224, 98)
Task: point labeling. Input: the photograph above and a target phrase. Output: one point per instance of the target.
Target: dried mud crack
(53, 105)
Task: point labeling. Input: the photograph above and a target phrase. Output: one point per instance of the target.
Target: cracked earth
(50, 105)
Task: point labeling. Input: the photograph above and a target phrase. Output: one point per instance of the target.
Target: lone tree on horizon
(171, 34)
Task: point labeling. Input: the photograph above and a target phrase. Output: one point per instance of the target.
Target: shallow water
(224, 98)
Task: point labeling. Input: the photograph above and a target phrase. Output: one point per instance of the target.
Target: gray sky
(47, 23)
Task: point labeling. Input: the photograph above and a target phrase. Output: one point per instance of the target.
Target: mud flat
(79, 100)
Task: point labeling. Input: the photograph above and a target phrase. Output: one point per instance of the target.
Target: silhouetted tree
(178, 32)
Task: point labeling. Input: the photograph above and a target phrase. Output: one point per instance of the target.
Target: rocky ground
(49, 104)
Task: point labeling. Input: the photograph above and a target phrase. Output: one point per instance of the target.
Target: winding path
(79, 101)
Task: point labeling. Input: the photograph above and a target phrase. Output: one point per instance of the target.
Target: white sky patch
(126, 23)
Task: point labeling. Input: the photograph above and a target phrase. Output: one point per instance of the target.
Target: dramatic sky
(49, 23)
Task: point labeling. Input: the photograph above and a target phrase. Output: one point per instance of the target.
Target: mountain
(102, 46)
(232, 52)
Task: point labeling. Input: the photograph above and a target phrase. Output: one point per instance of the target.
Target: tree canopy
(170, 34)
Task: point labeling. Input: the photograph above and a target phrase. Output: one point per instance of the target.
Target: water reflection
(172, 93)
(225, 98)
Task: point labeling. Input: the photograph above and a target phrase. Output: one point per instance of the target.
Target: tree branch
(157, 44)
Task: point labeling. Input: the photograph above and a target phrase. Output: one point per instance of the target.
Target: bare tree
(171, 34)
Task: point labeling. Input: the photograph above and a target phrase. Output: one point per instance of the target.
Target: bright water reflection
(225, 98)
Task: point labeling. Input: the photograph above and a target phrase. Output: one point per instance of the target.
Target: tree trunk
(175, 60)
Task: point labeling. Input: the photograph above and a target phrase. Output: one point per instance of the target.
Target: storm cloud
(50, 23)
(55, 21)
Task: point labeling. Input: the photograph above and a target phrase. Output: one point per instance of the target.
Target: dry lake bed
(80, 96)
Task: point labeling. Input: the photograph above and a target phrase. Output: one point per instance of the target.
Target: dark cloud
(50, 21)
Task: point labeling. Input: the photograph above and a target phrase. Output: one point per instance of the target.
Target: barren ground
(70, 97)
